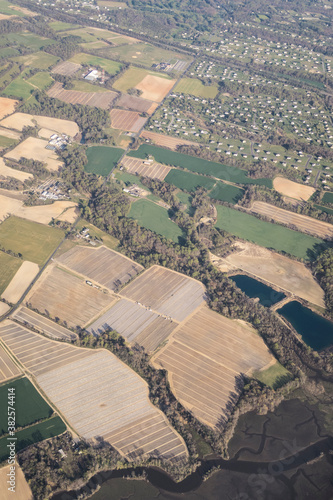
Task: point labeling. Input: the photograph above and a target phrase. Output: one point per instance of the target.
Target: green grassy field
(268, 235)
(101, 160)
(8, 267)
(323, 209)
(19, 88)
(8, 52)
(41, 80)
(129, 179)
(84, 86)
(6, 141)
(35, 242)
(29, 40)
(61, 26)
(198, 165)
(226, 192)
(188, 181)
(108, 240)
(133, 76)
(34, 434)
(274, 376)
(29, 404)
(39, 60)
(7, 8)
(194, 87)
(327, 198)
(111, 67)
(155, 218)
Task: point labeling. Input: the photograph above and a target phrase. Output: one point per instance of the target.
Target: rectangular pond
(254, 288)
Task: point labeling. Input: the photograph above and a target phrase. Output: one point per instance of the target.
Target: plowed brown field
(152, 170)
(131, 121)
(95, 99)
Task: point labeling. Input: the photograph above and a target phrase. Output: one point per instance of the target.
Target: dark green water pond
(316, 331)
(253, 288)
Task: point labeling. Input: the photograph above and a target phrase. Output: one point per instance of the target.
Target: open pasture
(131, 121)
(133, 76)
(19, 88)
(20, 282)
(6, 142)
(31, 319)
(165, 140)
(35, 149)
(155, 218)
(301, 222)
(29, 40)
(152, 170)
(22, 489)
(292, 189)
(8, 369)
(95, 99)
(111, 67)
(195, 87)
(188, 181)
(205, 358)
(10, 134)
(226, 192)
(98, 394)
(166, 292)
(135, 103)
(102, 265)
(268, 235)
(8, 205)
(19, 120)
(7, 106)
(136, 323)
(45, 213)
(38, 60)
(41, 80)
(61, 294)
(155, 88)
(66, 68)
(102, 159)
(35, 242)
(9, 266)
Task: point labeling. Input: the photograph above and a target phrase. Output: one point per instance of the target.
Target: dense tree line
(323, 270)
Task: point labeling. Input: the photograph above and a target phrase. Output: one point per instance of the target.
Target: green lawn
(274, 376)
(29, 404)
(19, 88)
(111, 67)
(34, 434)
(327, 198)
(218, 170)
(193, 86)
(155, 218)
(187, 181)
(102, 159)
(42, 80)
(61, 26)
(35, 242)
(133, 76)
(226, 192)
(268, 235)
(8, 267)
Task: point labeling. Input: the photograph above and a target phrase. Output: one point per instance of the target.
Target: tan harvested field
(102, 100)
(166, 292)
(66, 68)
(19, 120)
(35, 149)
(63, 295)
(8, 206)
(155, 88)
(31, 319)
(131, 121)
(302, 222)
(136, 103)
(276, 269)
(292, 189)
(22, 489)
(102, 265)
(45, 213)
(7, 106)
(165, 140)
(8, 369)
(152, 170)
(12, 172)
(136, 323)
(12, 134)
(3, 308)
(98, 394)
(70, 215)
(20, 282)
(205, 359)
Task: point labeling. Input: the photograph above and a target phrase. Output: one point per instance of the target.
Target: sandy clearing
(8, 206)
(20, 282)
(3, 308)
(22, 489)
(12, 172)
(19, 120)
(35, 149)
(276, 269)
(292, 189)
(7, 106)
(155, 88)
(45, 213)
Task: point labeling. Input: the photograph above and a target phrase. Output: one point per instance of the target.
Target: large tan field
(3, 308)
(35, 149)
(276, 269)
(98, 395)
(19, 120)
(155, 88)
(44, 325)
(22, 279)
(70, 215)
(7, 106)
(102, 100)
(8, 206)
(167, 292)
(205, 359)
(135, 103)
(292, 189)
(12, 134)
(8, 369)
(12, 172)
(141, 167)
(302, 222)
(102, 265)
(165, 140)
(131, 121)
(68, 297)
(45, 213)
(22, 489)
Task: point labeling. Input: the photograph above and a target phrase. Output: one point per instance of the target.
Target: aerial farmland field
(101, 100)
(293, 189)
(226, 192)
(9, 265)
(7, 106)
(130, 121)
(111, 67)
(8, 370)
(38, 322)
(34, 241)
(20, 282)
(151, 170)
(35, 149)
(188, 181)
(102, 159)
(134, 76)
(165, 140)
(195, 87)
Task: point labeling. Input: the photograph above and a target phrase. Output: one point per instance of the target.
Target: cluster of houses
(51, 190)
(58, 141)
